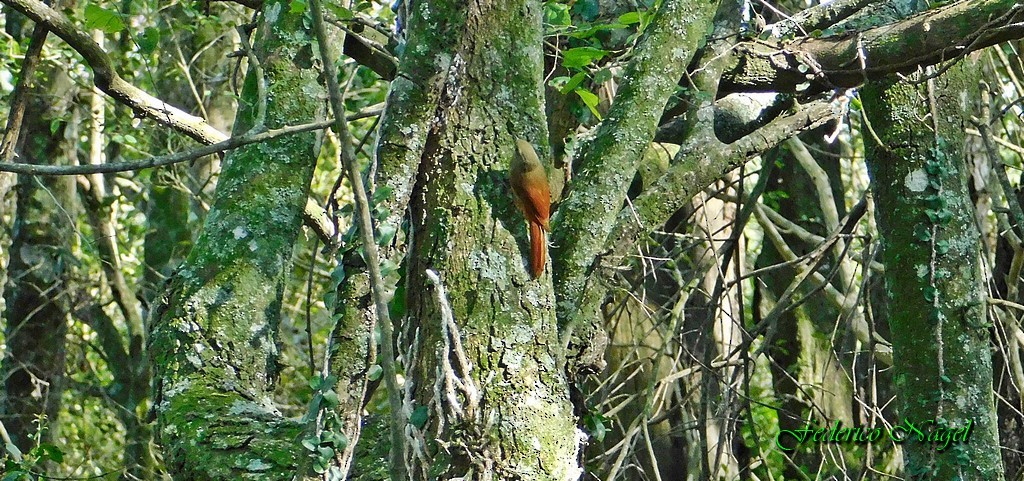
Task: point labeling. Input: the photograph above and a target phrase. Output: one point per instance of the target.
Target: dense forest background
(275, 239)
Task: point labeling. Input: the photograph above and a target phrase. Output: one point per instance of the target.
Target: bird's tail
(538, 249)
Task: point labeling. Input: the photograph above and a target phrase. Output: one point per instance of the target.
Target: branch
(107, 79)
(19, 98)
(193, 154)
(159, 161)
(365, 219)
(697, 164)
(609, 160)
(850, 59)
(817, 17)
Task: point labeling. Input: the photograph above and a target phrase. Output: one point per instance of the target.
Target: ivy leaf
(324, 454)
(99, 18)
(572, 83)
(331, 398)
(380, 194)
(385, 233)
(336, 439)
(922, 233)
(337, 275)
(148, 40)
(329, 298)
(557, 14)
(418, 417)
(582, 56)
(310, 443)
(591, 101)
(588, 9)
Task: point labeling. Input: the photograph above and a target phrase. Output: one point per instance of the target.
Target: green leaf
(341, 12)
(922, 233)
(331, 398)
(99, 18)
(558, 82)
(388, 267)
(310, 443)
(572, 83)
(629, 18)
(374, 372)
(385, 233)
(329, 298)
(582, 56)
(15, 475)
(380, 194)
(557, 14)
(591, 101)
(593, 29)
(149, 39)
(599, 431)
(418, 417)
(297, 6)
(320, 466)
(588, 9)
(53, 453)
(336, 439)
(325, 454)
(337, 275)
(602, 76)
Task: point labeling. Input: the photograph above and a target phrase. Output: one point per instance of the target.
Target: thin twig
(159, 161)
(348, 157)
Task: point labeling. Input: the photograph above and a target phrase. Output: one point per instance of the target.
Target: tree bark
(214, 335)
(489, 396)
(940, 335)
(37, 297)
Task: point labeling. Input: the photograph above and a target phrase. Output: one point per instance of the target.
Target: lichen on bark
(940, 336)
(214, 339)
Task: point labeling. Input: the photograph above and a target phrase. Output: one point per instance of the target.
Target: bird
(532, 195)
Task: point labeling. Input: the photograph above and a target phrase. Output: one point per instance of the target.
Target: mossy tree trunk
(940, 334)
(490, 397)
(214, 333)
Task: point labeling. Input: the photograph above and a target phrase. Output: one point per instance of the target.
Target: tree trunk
(490, 398)
(38, 295)
(214, 339)
(943, 369)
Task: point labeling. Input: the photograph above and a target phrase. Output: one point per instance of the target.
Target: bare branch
(848, 60)
(818, 17)
(365, 219)
(108, 168)
(193, 154)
